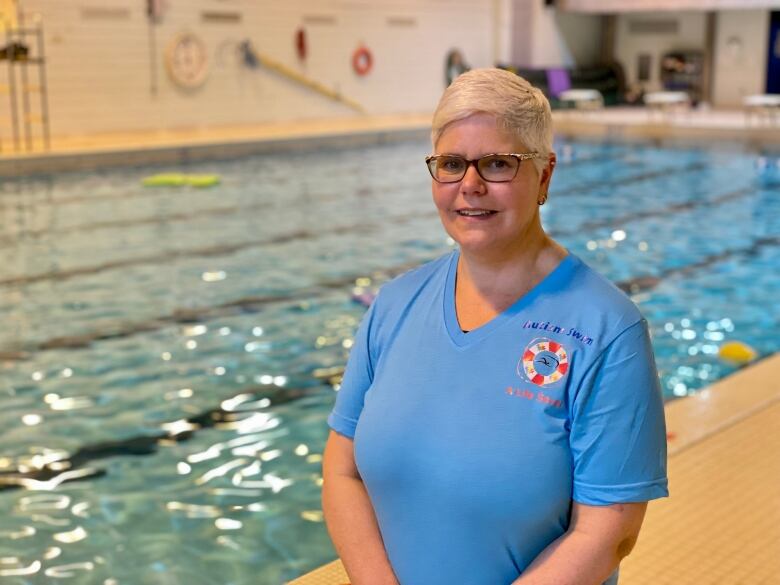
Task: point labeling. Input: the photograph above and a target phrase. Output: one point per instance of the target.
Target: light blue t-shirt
(473, 445)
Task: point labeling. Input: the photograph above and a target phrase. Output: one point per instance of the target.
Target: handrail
(306, 81)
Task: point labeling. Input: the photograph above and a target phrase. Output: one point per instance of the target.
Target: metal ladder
(29, 129)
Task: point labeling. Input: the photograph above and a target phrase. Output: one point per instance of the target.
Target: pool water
(170, 355)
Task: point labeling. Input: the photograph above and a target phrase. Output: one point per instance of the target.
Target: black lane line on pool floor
(77, 466)
(272, 202)
(190, 315)
(665, 172)
(282, 181)
(6, 241)
(253, 304)
(224, 249)
(74, 468)
(220, 250)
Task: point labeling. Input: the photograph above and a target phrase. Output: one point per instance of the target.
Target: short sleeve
(357, 378)
(618, 432)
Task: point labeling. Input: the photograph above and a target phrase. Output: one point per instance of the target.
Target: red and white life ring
(552, 375)
(362, 61)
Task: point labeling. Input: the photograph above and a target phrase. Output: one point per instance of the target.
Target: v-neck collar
(552, 281)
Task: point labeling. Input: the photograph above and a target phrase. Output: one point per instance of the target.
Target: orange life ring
(362, 61)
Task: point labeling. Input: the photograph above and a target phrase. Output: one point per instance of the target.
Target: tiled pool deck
(722, 524)
(687, 126)
(186, 145)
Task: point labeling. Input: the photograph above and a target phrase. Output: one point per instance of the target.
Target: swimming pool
(170, 355)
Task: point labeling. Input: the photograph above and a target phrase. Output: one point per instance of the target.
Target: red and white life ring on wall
(362, 61)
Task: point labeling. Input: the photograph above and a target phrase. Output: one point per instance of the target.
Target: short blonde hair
(519, 107)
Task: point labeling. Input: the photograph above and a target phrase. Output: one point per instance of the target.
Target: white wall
(561, 39)
(741, 41)
(99, 59)
(542, 36)
(522, 16)
(502, 31)
(691, 34)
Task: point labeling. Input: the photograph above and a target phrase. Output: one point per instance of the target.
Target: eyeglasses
(494, 168)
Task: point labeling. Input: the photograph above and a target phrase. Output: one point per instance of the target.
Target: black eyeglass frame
(521, 156)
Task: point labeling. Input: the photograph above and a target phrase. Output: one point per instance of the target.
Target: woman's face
(513, 207)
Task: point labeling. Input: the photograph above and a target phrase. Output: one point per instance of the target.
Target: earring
(542, 200)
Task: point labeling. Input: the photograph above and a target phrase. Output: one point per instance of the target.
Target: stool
(583, 99)
(763, 104)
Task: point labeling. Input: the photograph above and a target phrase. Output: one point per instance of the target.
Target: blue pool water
(173, 353)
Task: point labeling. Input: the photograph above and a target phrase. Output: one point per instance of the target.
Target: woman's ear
(546, 174)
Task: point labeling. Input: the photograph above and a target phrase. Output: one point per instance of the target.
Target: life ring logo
(544, 362)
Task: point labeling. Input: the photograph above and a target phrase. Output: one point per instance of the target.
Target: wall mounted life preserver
(362, 61)
(187, 61)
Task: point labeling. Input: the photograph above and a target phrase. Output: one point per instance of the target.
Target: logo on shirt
(571, 331)
(544, 362)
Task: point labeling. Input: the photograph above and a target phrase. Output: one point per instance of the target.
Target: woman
(500, 419)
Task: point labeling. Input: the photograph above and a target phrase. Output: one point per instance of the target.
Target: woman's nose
(472, 183)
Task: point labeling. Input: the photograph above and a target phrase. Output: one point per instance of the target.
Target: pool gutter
(195, 145)
(726, 129)
(731, 130)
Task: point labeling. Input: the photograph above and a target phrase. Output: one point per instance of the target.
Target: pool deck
(680, 126)
(187, 145)
(721, 525)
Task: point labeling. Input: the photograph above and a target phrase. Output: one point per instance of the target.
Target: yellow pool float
(203, 180)
(180, 180)
(737, 352)
(164, 180)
